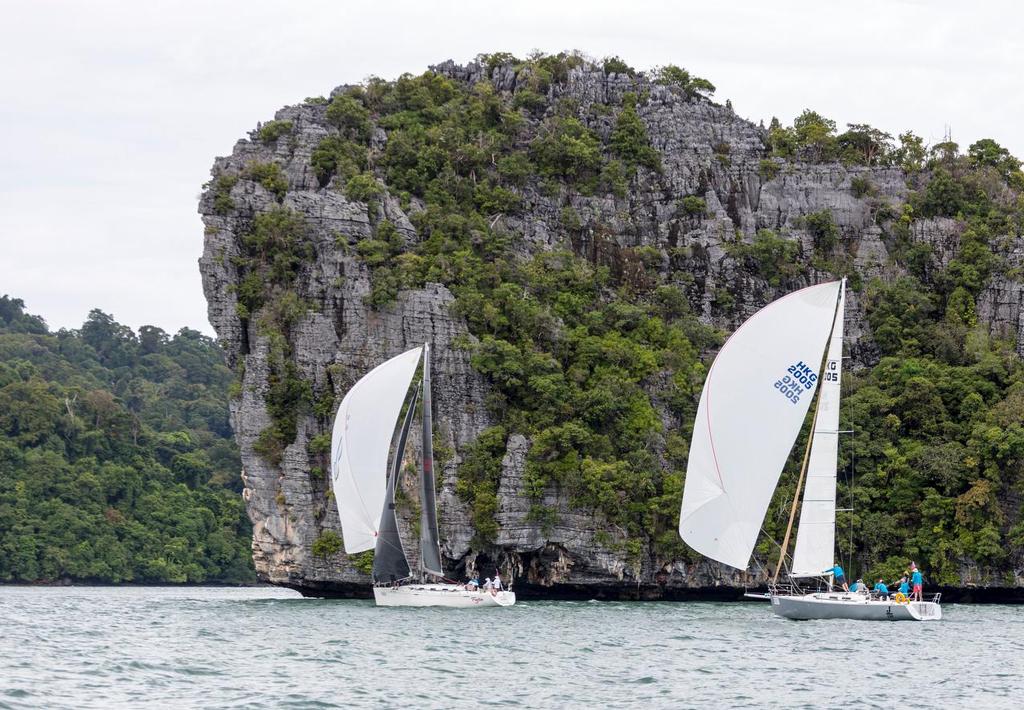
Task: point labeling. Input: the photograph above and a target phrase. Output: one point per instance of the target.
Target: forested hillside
(116, 458)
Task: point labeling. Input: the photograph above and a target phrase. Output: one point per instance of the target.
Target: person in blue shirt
(904, 588)
(918, 583)
(881, 590)
(840, 578)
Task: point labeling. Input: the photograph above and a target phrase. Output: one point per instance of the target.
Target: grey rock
(706, 151)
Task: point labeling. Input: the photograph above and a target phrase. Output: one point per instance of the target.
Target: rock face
(706, 150)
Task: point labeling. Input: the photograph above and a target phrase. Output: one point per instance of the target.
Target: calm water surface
(212, 647)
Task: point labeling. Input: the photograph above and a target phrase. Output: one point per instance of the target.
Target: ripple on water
(241, 648)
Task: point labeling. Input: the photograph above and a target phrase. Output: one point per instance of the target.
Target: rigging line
(774, 542)
(384, 541)
(853, 466)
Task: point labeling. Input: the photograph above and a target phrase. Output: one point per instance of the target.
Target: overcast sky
(111, 112)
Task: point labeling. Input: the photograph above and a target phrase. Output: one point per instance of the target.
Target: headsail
(430, 550)
(363, 429)
(754, 402)
(816, 532)
(389, 561)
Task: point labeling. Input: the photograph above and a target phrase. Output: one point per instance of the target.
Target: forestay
(363, 429)
(816, 533)
(754, 401)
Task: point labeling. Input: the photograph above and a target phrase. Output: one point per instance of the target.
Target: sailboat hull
(842, 605)
(448, 595)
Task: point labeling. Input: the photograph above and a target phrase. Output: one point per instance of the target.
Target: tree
(988, 152)
(911, 154)
(629, 139)
(13, 318)
(115, 344)
(865, 144)
(692, 86)
(615, 65)
(815, 135)
(944, 196)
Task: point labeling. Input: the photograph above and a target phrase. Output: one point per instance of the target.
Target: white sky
(111, 112)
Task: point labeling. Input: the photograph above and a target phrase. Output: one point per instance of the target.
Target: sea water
(90, 647)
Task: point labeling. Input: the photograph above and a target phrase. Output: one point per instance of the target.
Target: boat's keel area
(449, 595)
(848, 605)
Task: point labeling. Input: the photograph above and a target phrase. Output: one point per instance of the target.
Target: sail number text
(800, 379)
(831, 371)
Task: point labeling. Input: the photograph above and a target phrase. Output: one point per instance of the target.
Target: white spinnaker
(754, 401)
(816, 533)
(363, 429)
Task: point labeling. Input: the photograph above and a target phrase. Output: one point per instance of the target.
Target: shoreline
(528, 592)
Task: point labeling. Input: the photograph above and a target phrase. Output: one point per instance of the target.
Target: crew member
(918, 583)
(882, 590)
(838, 575)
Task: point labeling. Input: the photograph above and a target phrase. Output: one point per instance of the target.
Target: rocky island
(576, 238)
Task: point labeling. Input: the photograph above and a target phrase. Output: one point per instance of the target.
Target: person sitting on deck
(486, 584)
(472, 585)
(881, 590)
(916, 580)
(859, 586)
(840, 577)
(904, 587)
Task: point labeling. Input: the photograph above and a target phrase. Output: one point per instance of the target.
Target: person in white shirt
(496, 584)
(486, 584)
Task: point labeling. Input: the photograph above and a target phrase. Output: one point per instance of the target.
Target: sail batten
(816, 532)
(363, 429)
(754, 401)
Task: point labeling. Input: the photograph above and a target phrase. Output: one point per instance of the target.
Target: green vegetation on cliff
(567, 343)
(116, 458)
(594, 350)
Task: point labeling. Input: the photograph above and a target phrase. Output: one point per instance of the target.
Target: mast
(430, 550)
(828, 376)
(796, 495)
(390, 563)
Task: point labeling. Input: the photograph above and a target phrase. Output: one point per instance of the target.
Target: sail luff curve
(390, 563)
(754, 401)
(430, 548)
(816, 531)
(363, 429)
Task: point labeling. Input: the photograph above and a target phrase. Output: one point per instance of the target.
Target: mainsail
(816, 532)
(430, 550)
(389, 561)
(754, 402)
(363, 429)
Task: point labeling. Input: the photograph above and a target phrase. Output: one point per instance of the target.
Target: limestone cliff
(340, 331)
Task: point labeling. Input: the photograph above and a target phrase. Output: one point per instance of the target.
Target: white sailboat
(754, 402)
(364, 489)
